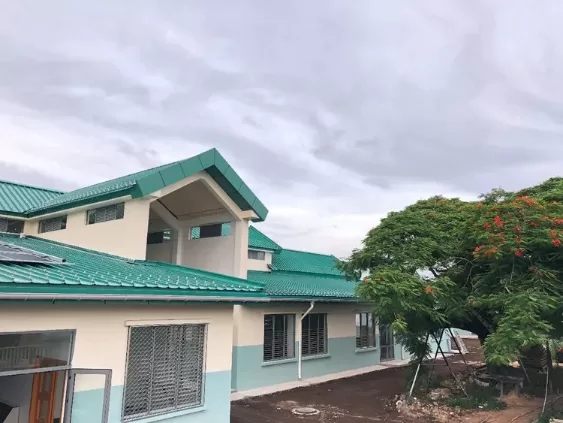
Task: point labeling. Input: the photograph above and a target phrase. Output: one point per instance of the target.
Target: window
(53, 224)
(256, 255)
(165, 369)
(313, 334)
(211, 231)
(365, 331)
(105, 214)
(12, 226)
(279, 336)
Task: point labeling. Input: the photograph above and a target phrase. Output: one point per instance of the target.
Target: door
(42, 405)
(87, 396)
(387, 343)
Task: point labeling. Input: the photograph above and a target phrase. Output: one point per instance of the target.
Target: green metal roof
(257, 239)
(288, 285)
(16, 198)
(90, 272)
(148, 181)
(305, 262)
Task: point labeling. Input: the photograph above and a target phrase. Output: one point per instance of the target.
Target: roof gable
(257, 239)
(16, 198)
(148, 181)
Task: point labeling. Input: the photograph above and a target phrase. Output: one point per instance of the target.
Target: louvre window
(105, 214)
(53, 224)
(211, 231)
(314, 334)
(279, 336)
(12, 226)
(365, 331)
(256, 255)
(165, 370)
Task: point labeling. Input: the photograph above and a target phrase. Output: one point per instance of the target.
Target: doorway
(387, 343)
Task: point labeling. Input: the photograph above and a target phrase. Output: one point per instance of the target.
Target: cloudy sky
(334, 112)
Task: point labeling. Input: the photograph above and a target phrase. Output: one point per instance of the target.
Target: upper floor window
(158, 237)
(256, 255)
(105, 214)
(314, 334)
(365, 331)
(279, 336)
(54, 224)
(211, 231)
(165, 370)
(12, 226)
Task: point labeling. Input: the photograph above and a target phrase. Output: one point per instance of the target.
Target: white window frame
(158, 350)
(369, 340)
(286, 339)
(306, 335)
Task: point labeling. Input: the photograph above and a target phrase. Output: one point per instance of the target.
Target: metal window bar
(105, 214)
(279, 338)
(165, 370)
(53, 224)
(314, 334)
(365, 331)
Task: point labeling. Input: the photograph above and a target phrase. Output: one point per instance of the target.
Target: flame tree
(492, 267)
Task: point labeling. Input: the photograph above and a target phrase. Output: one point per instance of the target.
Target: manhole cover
(305, 411)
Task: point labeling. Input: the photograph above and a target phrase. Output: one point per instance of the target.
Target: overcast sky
(334, 112)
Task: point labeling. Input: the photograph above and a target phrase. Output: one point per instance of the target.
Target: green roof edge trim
(210, 161)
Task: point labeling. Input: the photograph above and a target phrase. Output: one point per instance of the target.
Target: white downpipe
(300, 352)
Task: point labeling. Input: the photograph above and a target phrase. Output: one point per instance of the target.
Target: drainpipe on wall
(300, 352)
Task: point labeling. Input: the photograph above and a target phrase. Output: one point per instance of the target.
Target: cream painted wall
(260, 265)
(211, 254)
(102, 331)
(125, 237)
(341, 320)
(161, 252)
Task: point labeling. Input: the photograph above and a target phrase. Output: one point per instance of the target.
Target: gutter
(109, 297)
(300, 352)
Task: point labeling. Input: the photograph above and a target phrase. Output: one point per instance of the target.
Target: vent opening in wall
(256, 255)
(53, 224)
(11, 226)
(211, 231)
(105, 214)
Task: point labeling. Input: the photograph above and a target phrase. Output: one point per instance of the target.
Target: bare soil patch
(371, 397)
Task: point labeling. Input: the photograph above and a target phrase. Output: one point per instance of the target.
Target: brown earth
(369, 398)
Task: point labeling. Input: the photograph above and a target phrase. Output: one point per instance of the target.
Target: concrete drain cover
(305, 411)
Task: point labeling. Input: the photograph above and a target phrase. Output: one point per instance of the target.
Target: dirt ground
(368, 398)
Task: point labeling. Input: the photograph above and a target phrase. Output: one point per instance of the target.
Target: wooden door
(43, 396)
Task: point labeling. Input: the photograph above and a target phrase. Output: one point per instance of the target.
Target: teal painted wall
(250, 372)
(216, 409)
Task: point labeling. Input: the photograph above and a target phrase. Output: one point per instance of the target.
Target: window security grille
(211, 231)
(365, 331)
(314, 334)
(105, 214)
(279, 336)
(256, 255)
(11, 226)
(165, 370)
(53, 224)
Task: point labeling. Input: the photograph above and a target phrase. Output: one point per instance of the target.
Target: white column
(239, 229)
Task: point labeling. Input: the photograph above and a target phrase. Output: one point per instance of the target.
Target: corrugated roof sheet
(257, 239)
(287, 284)
(305, 262)
(91, 272)
(17, 198)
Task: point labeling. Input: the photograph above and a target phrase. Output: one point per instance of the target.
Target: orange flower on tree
(519, 252)
(429, 290)
(556, 242)
(498, 221)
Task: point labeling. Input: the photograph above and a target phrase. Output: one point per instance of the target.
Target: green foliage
(492, 267)
(478, 398)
